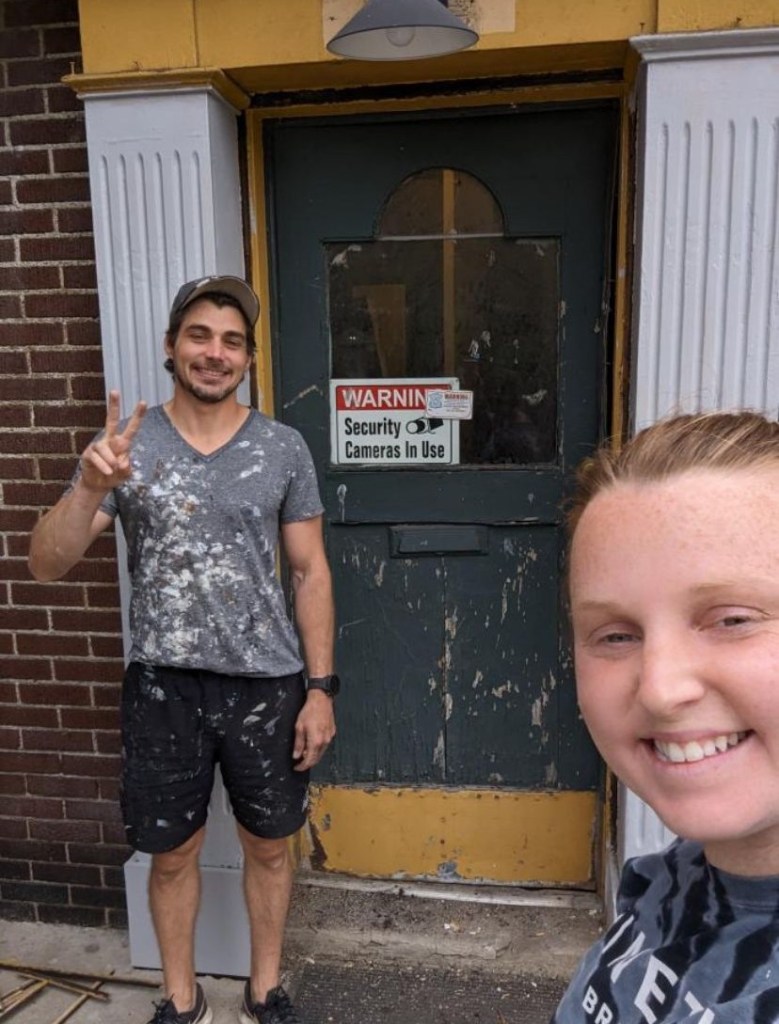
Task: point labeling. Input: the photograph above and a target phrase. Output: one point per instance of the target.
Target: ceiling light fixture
(402, 30)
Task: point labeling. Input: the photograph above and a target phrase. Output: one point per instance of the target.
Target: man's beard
(204, 395)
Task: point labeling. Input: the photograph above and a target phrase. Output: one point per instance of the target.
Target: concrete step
(541, 932)
(357, 953)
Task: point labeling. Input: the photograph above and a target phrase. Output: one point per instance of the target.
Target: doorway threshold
(382, 920)
(495, 895)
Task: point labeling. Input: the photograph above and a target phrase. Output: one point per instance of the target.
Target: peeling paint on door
(455, 658)
(313, 389)
(439, 752)
(341, 495)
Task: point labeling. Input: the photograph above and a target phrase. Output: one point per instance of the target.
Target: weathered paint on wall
(142, 34)
(485, 16)
(449, 835)
(708, 15)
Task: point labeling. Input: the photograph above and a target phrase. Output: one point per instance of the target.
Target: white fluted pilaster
(166, 204)
(706, 330)
(707, 300)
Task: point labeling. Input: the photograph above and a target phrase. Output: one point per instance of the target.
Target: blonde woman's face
(675, 604)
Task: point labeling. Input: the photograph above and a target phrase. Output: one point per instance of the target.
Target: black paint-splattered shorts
(177, 724)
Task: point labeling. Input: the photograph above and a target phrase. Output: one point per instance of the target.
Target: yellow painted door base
(467, 835)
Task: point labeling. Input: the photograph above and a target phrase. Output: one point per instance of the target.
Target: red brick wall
(61, 841)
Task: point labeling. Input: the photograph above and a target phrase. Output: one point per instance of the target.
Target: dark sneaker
(277, 1008)
(166, 1012)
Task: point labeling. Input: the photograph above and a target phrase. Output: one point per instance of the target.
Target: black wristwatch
(328, 684)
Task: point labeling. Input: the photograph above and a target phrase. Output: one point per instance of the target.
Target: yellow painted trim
(467, 835)
(619, 412)
(465, 69)
(260, 264)
(623, 278)
(296, 849)
(151, 81)
(562, 93)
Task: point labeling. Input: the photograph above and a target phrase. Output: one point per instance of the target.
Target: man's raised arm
(62, 536)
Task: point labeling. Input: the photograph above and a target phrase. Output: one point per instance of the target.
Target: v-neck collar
(196, 451)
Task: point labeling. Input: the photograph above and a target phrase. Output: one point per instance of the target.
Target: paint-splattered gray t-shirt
(202, 532)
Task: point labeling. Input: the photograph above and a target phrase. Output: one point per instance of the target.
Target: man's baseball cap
(235, 287)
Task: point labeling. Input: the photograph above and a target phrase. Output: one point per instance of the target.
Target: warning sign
(386, 423)
(450, 405)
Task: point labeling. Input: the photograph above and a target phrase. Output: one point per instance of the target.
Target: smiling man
(205, 489)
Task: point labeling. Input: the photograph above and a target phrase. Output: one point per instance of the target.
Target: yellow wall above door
(281, 45)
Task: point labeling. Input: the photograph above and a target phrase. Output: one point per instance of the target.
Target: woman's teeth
(697, 750)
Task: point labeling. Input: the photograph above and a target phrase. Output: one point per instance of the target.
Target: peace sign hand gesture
(105, 463)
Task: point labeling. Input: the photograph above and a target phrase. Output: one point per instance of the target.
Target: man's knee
(180, 860)
(272, 854)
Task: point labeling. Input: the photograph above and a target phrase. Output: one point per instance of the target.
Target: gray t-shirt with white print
(691, 945)
(202, 534)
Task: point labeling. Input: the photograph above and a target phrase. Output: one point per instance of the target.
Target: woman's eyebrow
(596, 606)
(739, 583)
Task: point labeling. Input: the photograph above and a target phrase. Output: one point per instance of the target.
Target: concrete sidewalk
(353, 956)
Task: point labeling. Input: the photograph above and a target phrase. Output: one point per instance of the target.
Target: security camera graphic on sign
(424, 425)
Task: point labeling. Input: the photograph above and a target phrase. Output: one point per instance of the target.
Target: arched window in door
(443, 291)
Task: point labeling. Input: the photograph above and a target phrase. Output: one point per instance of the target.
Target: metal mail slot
(438, 540)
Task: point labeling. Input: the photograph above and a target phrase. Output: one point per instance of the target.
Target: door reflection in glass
(442, 291)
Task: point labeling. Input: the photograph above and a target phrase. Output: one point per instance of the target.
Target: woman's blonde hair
(715, 440)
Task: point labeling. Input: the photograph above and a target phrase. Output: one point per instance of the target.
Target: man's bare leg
(174, 898)
(267, 881)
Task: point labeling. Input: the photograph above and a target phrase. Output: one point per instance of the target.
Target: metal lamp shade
(402, 30)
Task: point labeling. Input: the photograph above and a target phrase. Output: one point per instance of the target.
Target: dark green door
(467, 246)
